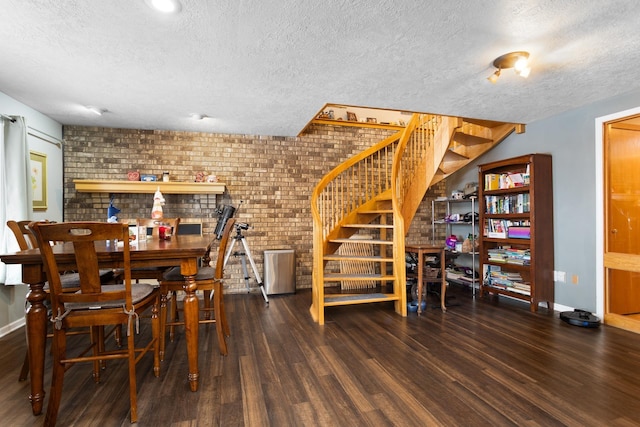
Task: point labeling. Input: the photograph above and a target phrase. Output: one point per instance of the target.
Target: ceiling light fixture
(519, 61)
(164, 6)
(196, 116)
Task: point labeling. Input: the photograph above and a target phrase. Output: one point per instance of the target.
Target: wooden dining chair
(95, 305)
(70, 280)
(153, 224)
(209, 280)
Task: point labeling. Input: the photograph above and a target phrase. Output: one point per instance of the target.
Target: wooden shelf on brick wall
(143, 187)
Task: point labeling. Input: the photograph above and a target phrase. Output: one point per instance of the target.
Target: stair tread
(368, 225)
(376, 211)
(333, 277)
(338, 257)
(363, 241)
(333, 300)
(466, 139)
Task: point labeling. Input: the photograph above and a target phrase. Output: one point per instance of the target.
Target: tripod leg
(243, 261)
(229, 250)
(255, 269)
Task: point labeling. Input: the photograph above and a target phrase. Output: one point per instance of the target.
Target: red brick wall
(274, 176)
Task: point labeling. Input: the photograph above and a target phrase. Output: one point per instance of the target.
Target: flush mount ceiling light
(197, 116)
(519, 61)
(164, 6)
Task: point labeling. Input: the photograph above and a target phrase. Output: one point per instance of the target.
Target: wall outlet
(559, 276)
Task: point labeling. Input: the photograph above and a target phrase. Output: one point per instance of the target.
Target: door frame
(599, 202)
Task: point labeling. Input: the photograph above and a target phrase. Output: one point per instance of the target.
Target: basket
(431, 272)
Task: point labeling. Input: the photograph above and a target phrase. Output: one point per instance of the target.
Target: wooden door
(622, 216)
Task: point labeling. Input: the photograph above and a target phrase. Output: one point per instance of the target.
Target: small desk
(423, 250)
(183, 251)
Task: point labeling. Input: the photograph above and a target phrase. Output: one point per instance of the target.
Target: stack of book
(510, 281)
(509, 255)
(518, 256)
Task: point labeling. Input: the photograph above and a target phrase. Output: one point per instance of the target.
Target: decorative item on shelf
(470, 189)
(133, 175)
(165, 176)
(352, 116)
(372, 120)
(326, 115)
(112, 211)
(212, 178)
(451, 242)
(470, 244)
(158, 202)
(148, 178)
(457, 195)
(469, 216)
(452, 218)
(200, 176)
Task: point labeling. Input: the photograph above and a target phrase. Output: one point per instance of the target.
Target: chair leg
(174, 314)
(118, 335)
(207, 304)
(217, 305)
(24, 372)
(155, 331)
(59, 346)
(97, 346)
(163, 319)
(132, 373)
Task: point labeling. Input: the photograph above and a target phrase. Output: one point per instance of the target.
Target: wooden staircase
(371, 199)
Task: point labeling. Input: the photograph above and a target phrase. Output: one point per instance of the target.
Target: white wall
(570, 139)
(41, 128)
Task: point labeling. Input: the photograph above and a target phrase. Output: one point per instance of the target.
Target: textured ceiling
(266, 67)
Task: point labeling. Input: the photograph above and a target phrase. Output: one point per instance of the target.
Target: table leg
(36, 327)
(420, 284)
(443, 287)
(191, 315)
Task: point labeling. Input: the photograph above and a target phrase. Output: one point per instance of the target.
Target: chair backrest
(154, 224)
(83, 236)
(222, 249)
(24, 236)
(189, 228)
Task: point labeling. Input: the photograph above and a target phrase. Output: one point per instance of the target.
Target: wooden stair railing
(378, 192)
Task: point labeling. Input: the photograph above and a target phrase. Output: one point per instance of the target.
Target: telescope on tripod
(224, 215)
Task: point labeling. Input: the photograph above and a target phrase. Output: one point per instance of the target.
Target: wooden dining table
(183, 251)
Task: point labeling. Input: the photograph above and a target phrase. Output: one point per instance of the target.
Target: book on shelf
(495, 181)
(507, 204)
(502, 228)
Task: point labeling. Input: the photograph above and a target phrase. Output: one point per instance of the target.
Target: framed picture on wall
(39, 180)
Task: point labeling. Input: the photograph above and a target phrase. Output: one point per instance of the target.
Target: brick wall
(273, 176)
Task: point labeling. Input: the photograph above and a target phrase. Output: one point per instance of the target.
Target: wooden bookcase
(515, 199)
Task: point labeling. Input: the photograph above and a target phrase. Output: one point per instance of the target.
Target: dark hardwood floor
(484, 362)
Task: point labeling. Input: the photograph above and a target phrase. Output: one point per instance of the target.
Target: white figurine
(158, 202)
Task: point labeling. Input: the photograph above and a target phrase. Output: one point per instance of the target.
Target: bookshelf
(515, 200)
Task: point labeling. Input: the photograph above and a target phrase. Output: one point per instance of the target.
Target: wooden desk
(421, 251)
(183, 251)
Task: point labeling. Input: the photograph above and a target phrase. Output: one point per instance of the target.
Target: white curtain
(16, 193)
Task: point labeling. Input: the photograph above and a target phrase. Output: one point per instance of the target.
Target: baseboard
(7, 329)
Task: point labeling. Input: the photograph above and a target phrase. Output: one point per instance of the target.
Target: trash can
(279, 271)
